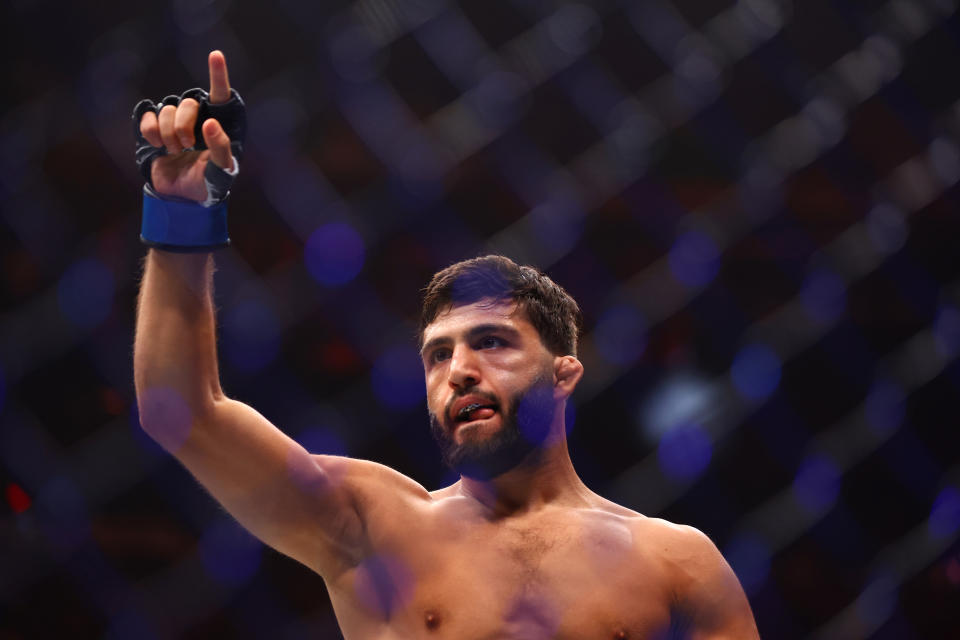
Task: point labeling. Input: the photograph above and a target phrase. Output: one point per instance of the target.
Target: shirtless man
(519, 548)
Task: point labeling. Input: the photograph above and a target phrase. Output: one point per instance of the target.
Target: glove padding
(231, 115)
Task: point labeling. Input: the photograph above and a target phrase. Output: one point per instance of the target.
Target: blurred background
(754, 202)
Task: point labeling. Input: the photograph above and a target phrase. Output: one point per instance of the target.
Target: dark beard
(526, 425)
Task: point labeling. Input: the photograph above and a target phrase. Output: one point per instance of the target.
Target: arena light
(694, 259)
(681, 398)
(334, 254)
(756, 371)
(18, 499)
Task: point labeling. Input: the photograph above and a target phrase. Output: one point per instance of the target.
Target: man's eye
(491, 342)
(440, 355)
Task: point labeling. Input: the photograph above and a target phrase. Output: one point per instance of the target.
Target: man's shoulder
(686, 555)
(704, 588)
(658, 538)
(672, 541)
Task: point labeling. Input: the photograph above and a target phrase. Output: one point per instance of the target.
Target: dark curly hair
(555, 315)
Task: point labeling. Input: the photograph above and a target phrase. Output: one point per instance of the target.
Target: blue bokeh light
(817, 483)
(229, 554)
(684, 451)
(884, 406)
(944, 522)
(85, 293)
(682, 397)
(251, 335)
(694, 259)
(620, 334)
(397, 378)
(756, 371)
(749, 556)
(824, 296)
(334, 254)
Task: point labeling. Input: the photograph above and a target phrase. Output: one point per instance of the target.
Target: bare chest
(585, 581)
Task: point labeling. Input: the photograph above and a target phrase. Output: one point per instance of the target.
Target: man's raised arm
(293, 501)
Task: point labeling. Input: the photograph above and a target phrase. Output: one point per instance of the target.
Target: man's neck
(545, 477)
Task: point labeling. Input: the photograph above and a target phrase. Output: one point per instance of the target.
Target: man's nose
(464, 370)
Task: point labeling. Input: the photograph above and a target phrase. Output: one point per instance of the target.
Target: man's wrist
(180, 225)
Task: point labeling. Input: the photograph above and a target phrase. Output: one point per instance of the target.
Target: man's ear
(567, 371)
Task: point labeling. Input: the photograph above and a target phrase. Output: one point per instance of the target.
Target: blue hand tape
(183, 225)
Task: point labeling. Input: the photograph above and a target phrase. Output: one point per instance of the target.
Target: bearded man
(518, 548)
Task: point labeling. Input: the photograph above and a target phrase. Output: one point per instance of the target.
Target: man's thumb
(219, 144)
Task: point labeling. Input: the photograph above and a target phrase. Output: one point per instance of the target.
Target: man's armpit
(381, 496)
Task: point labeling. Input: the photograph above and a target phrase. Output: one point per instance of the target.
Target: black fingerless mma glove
(177, 224)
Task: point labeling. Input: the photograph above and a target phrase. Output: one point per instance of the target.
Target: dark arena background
(755, 203)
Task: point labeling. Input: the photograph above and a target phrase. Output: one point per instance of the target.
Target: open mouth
(474, 411)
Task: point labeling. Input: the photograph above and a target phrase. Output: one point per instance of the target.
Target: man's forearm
(175, 357)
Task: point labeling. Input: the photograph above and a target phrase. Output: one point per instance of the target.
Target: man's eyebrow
(490, 327)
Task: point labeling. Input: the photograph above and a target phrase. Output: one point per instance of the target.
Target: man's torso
(565, 573)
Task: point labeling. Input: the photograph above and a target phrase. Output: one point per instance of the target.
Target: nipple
(620, 634)
(432, 620)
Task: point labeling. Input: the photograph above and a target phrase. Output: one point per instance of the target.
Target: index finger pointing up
(219, 81)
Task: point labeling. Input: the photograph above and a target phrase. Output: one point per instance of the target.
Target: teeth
(467, 410)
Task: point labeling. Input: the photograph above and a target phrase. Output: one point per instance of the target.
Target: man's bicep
(293, 501)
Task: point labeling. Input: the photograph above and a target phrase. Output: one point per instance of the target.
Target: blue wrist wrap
(183, 225)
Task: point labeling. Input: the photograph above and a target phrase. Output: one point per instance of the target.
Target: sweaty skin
(531, 553)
